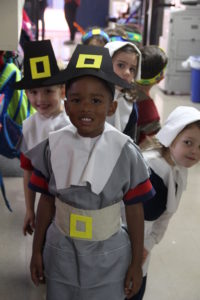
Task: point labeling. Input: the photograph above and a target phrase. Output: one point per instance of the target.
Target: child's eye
(74, 100)
(188, 142)
(133, 70)
(96, 101)
(33, 92)
(48, 91)
(120, 65)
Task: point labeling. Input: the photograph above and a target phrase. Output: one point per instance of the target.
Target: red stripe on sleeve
(39, 182)
(140, 190)
(25, 163)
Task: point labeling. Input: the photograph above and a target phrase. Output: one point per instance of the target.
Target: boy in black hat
(83, 171)
(39, 65)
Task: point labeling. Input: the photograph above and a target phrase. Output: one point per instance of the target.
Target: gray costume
(87, 252)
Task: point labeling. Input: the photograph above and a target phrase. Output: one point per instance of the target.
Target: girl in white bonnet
(180, 150)
(126, 59)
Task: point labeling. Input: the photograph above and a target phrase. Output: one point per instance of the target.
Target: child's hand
(145, 254)
(36, 268)
(133, 281)
(29, 223)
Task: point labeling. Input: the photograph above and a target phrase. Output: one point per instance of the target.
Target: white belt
(93, 225)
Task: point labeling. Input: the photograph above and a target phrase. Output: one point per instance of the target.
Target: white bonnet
(179, 118)
(116, 45)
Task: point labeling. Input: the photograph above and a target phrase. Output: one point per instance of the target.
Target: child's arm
(29, 220)
(135, 223)
(45, 213)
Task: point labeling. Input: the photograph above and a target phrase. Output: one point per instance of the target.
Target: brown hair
(154, 60)
(196, 123)
(127, 49)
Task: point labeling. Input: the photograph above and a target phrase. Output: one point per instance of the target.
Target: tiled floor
(174, 272)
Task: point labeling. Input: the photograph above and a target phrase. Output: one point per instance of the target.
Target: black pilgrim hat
(89, 60)
(39, 64)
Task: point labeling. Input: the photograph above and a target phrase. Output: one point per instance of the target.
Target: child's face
(88, 104)
(96, 42)
(46, 100)
(185, 149)
(125, 65)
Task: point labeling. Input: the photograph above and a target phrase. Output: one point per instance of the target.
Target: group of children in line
(85, 164)
(143, 66)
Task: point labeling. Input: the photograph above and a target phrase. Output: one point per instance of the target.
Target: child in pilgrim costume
(95, 36)
(154, 61)
(126, 58)
(180, 150)
(39, 65)
(83, 172)
(116, 34)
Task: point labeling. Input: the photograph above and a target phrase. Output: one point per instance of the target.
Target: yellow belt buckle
(87, 234)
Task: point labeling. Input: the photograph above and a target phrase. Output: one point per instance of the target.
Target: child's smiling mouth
(191, 158)
(86, 120)
(43, 106)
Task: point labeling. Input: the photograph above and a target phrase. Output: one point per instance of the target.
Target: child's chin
(189, 165)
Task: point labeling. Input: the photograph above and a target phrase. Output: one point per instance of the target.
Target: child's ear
(112, 108)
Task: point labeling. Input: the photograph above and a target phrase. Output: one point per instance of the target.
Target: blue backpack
(14, 109)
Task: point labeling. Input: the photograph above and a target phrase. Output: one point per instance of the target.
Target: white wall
(10, 24)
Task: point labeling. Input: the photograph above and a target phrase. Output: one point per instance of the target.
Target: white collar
(36, 128)
(77, 160)
(124, 108)
(172, 176)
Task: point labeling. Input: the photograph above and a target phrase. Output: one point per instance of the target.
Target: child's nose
(40, 97)
(86, 106)
(127, 72)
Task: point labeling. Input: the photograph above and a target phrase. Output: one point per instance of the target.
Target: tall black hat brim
(24, 84)
(65, 76)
